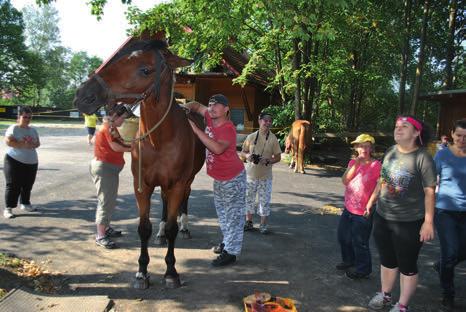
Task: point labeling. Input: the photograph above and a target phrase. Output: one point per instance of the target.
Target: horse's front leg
(145, 232)
(175, 196)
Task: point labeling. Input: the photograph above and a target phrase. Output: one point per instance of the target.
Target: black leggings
(19, 179)
(398, 243)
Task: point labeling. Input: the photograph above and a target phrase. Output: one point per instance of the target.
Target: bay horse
(298, 141)
(168, 156)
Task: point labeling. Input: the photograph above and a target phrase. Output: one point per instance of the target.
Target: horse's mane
(143, 45)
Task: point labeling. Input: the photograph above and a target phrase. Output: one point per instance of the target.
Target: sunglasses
(27, 117)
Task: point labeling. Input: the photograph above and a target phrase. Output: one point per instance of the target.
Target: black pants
(398, 243)
(19, 179)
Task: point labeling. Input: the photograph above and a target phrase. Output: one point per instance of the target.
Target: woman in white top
(20, 163)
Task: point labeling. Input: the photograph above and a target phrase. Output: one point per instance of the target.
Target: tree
(13, 55)
(421, 58)
(81, 65)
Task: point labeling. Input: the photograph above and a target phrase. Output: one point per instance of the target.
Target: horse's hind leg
(145, 232)
(185, 233)
(160, 238)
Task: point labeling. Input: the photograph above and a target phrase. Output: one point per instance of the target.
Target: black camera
(256, 158)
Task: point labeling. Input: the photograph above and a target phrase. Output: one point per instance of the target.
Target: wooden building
(452, 107)
(246, 102)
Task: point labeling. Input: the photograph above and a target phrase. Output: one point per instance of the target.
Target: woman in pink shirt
(354, 228)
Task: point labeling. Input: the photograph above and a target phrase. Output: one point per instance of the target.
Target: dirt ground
(297, 259)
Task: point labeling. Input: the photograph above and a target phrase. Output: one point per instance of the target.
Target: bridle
(139, 98)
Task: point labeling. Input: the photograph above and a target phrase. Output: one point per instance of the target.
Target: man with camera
(261, 150)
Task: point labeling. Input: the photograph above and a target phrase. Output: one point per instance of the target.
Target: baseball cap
(218, 98)
(263, 114)
(364, 138)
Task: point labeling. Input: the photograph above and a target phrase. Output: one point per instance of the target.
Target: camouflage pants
(263, 190)
(229, 201)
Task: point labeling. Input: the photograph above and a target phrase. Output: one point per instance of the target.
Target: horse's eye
(145, 71)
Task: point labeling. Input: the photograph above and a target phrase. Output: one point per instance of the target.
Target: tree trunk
(420, 64)
(404, 54)
(296, 67)
(450, 45)
(307, 106)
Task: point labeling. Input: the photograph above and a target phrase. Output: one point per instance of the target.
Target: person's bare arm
(12, 142)
(196, 107)
(216, 147)
(350, 172)
(427, 229)
(372, 199)
(270, 161)
(119, 147)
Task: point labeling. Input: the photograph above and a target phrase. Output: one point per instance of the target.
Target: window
(237, 117)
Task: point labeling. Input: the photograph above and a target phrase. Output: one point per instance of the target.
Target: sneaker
(105, 242)
(398, 308)
(380, 301)
(111, 232)
(7, 214)
(219, 248)
(27, 208)
(351, 274)
(248, 226)
(224, 259)
(343, 266)
(263, 229)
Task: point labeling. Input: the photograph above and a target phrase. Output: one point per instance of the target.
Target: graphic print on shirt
(209, 156)
(396, 178)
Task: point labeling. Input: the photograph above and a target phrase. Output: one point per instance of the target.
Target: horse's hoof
(185, 234)
(141, 282)
(302, 171)
(161, 240)
(172, 282)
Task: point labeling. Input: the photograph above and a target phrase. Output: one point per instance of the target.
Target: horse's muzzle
(90, 96)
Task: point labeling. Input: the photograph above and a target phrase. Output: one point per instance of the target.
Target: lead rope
(142, 137)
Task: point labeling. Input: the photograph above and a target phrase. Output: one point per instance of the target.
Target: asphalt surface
(296, 260)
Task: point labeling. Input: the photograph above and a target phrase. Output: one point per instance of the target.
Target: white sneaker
(7, 214)
(396, 308)
(27, 208)
(379, 301)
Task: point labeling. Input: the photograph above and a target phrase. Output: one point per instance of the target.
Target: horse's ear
(175, 61)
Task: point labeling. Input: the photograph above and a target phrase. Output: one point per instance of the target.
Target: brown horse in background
(171, 155)
(298, 141)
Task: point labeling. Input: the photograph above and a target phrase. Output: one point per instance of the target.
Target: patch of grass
(8, 261)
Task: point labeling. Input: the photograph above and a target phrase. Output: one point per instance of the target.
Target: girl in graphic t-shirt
(404, 216)
(355, 224)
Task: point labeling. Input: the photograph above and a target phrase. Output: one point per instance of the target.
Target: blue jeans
(451, 230)
(353, 235)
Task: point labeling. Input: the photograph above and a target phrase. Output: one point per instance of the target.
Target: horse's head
(129, 77)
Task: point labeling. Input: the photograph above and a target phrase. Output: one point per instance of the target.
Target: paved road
(296, 260)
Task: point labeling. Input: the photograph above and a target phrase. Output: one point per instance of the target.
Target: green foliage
(43, 72)
(13, 55)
